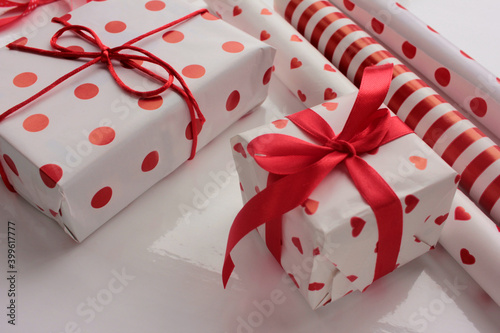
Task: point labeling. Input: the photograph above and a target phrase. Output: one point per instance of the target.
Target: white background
(173, 261)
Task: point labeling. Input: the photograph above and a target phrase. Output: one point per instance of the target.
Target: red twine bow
(297, 167)
(26, 8)
(106, 56)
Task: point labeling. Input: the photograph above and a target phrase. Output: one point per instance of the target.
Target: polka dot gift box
(341, 197)
(106, 111)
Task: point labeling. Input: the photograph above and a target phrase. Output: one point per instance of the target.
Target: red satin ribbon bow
(106, 56)
(26, 8)
(297, 167)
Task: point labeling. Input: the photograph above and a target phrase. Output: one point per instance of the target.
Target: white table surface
(154, 268)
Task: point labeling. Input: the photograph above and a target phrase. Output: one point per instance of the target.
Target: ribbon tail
(387, 209)
(275, 200)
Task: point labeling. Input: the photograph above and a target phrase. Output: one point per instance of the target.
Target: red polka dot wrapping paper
(297, 62)
(330, 241)
(458, 141)
(86, 149)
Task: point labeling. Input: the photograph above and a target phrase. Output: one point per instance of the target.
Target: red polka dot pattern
(377, 26)
(233, 47)
(189, 131)
(348, 5)
(102, 197)
(442, 76)
(150, 103)
(51, 174)
(409, 50)
(466, 55)
(36, 123)
(173, 36)
(115, 27)
(209, 17)
(432, 29)
(193, 71)
(102, 136)
(25, 79)
(86, 91)
(76, 48)
(11, 164)
(155, 5)
(150, 161)
(233, 100)
(479, 106)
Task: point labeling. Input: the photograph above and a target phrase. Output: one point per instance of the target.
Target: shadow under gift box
(329, 243)
(86, 149)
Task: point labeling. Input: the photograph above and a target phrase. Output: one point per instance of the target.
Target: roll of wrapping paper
(461, 144)
(473, 240)
(301, 76)
(453, 71)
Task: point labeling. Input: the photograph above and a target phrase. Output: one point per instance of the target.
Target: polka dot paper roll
(87, 149)
(334, 232)
(451, 69)
(461, 144)
(304, 70)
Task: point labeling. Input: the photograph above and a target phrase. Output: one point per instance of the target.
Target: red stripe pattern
(351, 50)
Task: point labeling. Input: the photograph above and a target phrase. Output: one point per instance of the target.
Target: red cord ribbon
(26, 8)
(106, 56)
(297, 167)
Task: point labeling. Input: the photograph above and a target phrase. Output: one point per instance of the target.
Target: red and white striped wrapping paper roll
(470, 85)
(461, 144)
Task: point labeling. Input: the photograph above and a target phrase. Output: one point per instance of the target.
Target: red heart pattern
(295, 63)
(419, 162)
(330, 106)
(280, 123)
(357, 225)
(293, 279)
(461, 214)
(466, 257)
(329, 94)
(239, 148)
(329, 68)
(298, 244)
(311, 206)
(295, 38)
(352, 278)
(315, 286)
(265, 11)
(237, 11)
(411, 202)
(264, 35)
(440, 219)
(301, 95)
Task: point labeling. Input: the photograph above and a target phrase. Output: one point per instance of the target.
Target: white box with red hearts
(329, 243)
(87, 149)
